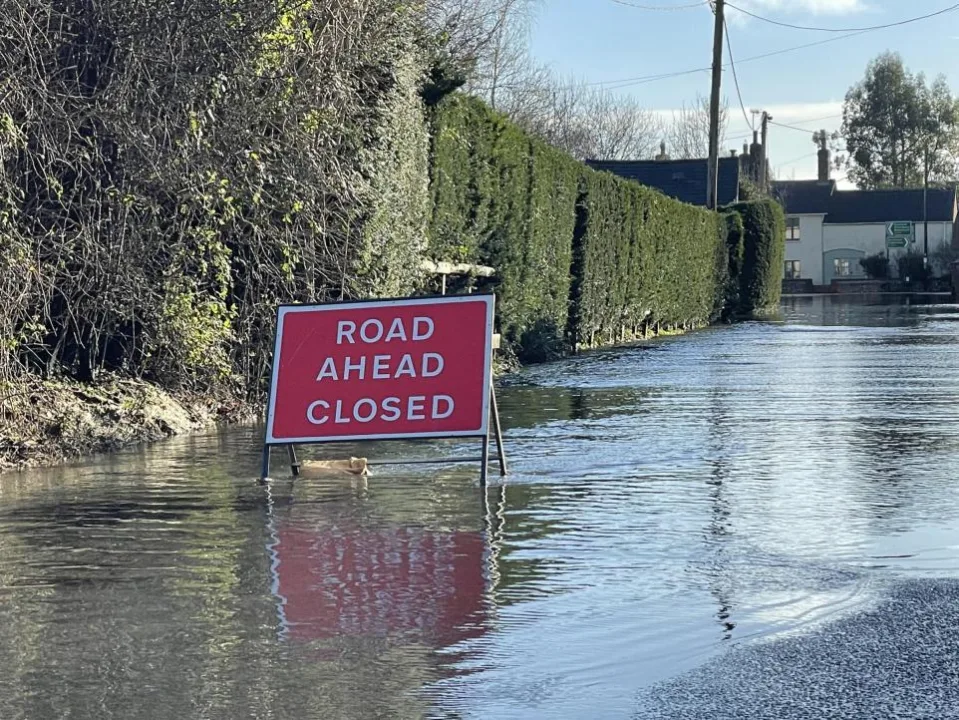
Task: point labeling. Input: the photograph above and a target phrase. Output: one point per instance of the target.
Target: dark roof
(681, 179)
(876, 206)
(804, 197)
(812, 197)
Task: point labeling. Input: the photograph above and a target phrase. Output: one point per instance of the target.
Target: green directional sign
(896, 242)
(899, 229)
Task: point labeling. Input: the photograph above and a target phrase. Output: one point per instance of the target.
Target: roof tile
(879, 206)
(683, 180)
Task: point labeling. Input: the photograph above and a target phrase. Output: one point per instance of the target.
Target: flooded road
(673, 510)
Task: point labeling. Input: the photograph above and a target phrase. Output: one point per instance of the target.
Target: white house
(807, 204)
(828, 231)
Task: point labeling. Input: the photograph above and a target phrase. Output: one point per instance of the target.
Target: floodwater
(668, 506)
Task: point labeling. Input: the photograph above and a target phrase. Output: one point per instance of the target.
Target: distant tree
(481, 44)
(899, 131)
(584, 120)
(688, 133)
(938, 132)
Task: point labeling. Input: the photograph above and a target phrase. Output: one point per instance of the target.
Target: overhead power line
(869, 28)
(798, 159)
(801, 129)
(643, 79)
(732, 64)
(815, 43)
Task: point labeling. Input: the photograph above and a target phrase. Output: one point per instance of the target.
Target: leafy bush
(942, 258)
(670, 260)
(548, 256)
(166, 179)
(876, 266)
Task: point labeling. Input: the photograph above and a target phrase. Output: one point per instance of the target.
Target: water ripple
(668, 503)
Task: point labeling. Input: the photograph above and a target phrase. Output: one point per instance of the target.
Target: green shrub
(876, 266)
(153, 214)
(503, 199)
(397, 162)
(735, 256)
(460, 179)
(541, 313)
(764, 251)
(582, 257)
(912, 267)
(642, 259)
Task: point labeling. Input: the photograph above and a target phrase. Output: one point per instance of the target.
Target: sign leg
(294, 463)
(500, 452)
(265, 465)
(484, 468)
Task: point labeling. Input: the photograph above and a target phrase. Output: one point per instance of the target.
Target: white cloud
(804, 111)
(817, 7)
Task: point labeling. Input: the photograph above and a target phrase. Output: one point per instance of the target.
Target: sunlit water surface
(665, 503)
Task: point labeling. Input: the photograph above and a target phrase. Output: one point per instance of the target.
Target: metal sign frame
(490, 408)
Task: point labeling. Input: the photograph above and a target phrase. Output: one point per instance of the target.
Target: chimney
(821, 138)
(823, 165)
(755, 158)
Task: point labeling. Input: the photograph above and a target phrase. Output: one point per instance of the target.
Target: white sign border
(283, 310)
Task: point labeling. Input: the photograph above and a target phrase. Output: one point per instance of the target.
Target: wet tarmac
(896, 661)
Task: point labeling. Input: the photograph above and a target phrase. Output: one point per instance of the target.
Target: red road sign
(412, 368)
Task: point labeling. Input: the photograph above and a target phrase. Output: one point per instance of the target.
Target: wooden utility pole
(712, 189)
(925, 210)
(925, 223)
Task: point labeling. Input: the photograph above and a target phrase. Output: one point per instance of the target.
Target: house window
(841, 267)
(792, 228)
(793, 270)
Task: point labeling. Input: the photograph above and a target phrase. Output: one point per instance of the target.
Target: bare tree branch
(688, 134)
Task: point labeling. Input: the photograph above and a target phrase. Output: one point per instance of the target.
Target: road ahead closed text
(406, 368)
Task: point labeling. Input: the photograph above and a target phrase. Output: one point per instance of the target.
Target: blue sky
(606, 41)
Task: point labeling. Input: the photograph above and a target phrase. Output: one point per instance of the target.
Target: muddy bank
(47, 422)
(44, 423)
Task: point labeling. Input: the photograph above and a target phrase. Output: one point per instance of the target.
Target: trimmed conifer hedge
(735, 255)
(764, 251)
(503, 199)
(642, 259)
(583, 258)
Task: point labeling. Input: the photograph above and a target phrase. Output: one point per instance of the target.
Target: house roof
(876, 206)
(684, 180)
(812, 197)
(804, 197)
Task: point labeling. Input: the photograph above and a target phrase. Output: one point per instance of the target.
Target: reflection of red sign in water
(388, 369)
(370, 583)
